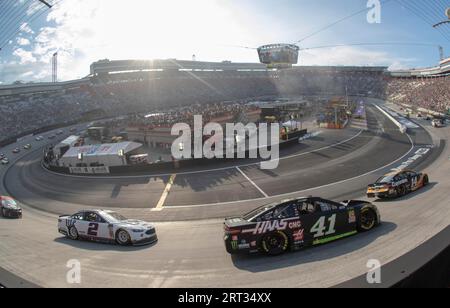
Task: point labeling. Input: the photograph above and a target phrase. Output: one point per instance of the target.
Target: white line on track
(165, 194)
(253, 183)
(200, 171)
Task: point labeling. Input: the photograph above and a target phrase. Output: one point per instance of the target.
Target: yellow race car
(397, 184)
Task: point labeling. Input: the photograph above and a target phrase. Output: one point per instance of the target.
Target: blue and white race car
(107, 226)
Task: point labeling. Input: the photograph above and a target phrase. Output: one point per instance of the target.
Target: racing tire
(73, 233)
(275, 244)
(402, 191)
(426, 181)
(367, 220)
(123, 238)
(2, 213)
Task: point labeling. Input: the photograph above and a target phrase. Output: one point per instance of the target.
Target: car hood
(135, 224)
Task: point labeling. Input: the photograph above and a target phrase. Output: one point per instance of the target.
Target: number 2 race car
(298, 223)
(107, 226)
(397, 184)
(9, 208)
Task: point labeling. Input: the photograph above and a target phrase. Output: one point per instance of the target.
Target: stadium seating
(180, 93)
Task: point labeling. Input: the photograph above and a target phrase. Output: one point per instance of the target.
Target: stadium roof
(107, 66)
(25, 88)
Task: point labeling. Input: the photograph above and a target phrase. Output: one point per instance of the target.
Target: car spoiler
(354, 202)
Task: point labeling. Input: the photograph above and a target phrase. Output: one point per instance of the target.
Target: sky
(84, 31)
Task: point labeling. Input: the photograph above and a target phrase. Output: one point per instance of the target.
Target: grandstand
(129, 87)
(442, 70)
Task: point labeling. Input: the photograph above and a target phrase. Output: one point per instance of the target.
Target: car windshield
(257, 212)
(113, 217)
(385, 179)
(9, 203)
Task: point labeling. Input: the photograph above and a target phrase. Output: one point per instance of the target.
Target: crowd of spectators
(176, 96)
(28, 112)
(211, 112)
(428, 93)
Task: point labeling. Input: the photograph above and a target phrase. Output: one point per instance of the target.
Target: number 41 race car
(397, 184)
(107, 226)
(294, 224)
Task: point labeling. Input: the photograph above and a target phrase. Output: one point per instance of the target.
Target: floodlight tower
(55, 67)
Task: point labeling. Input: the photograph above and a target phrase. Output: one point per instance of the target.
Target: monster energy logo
(234, 245)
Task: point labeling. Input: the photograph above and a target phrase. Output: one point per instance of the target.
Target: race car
(297, 223)
(16, 151)
(437, 123)
(9, 208)
(106, 226)
(397, 184)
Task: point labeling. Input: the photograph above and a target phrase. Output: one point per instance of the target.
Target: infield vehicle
(397, 184)
(9, 208)
(298, 223)
(437, 123)
(108, 227)
(16, 151)
(27, 147)
(5, 161)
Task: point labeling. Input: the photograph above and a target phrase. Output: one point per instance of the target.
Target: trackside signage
(89, 170)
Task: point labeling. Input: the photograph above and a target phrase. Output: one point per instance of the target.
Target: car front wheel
(123, 238)
(73, 233)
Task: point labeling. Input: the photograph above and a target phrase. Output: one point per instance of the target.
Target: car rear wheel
(426, 180)
(275, 243)
(73, 233)
(367, 220)
(401, 191)
(123, 238)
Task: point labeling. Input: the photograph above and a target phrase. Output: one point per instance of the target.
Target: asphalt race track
(190, 252)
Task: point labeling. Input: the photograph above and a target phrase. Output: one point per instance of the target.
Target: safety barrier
(403, 128)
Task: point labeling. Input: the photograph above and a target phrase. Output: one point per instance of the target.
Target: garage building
(108, 155)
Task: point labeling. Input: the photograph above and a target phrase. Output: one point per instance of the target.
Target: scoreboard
(279, 55)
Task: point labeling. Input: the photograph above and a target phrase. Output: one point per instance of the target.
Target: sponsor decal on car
(234, 245)
(270, 226)
(351, 216)
(299, 236)
(244, 246)
(333, 238)
(295, 224)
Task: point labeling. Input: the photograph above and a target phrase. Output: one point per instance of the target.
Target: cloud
(25, 28)
(23, 41)
(25, 57)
